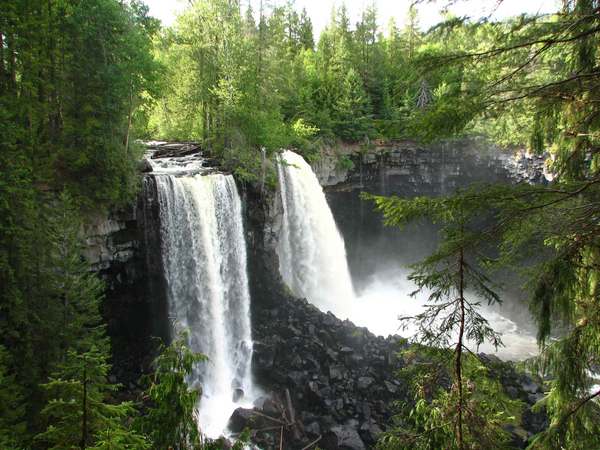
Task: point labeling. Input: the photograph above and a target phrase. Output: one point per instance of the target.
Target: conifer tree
(472, 412)
(351, 109)
(12, 407)
(79, 412)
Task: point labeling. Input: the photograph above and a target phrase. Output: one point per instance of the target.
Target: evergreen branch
(573, 410)
(498, 51)
(538, 89)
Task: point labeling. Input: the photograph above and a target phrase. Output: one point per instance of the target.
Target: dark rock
(173, 149)
(145, 166)
(343, 437)
(271, 408)
(370, 431)
(313, 429)
(534, 422)
(365, 382)
(391, 388)
(337, 372)
(530, 386)
(247, 418)
(238, 394)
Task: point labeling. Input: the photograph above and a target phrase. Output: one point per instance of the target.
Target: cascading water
(204, 257)
(312, 255)
(312, 261)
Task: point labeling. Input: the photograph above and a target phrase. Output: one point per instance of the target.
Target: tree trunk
(84, 416)
(458, 352)
(129, 118)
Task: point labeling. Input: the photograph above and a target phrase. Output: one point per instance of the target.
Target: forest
(84, 83)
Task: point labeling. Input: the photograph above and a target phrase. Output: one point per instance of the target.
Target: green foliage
(76, 292)
(240, 83)
(171, 418)
(531, 81)
(345, 163)
(73, 74)
(12, 408)
(78, 412)
(75, 79)
(429, 420)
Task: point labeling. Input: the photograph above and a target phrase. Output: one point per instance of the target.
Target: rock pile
(340, 380)
(340, 376)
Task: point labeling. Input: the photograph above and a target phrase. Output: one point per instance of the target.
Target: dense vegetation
(73, 77)
(80, 80)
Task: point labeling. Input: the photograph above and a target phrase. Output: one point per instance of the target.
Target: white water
(312, 255)
(312, 260)
(204, 256)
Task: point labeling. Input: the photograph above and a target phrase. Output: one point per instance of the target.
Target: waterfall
(204, 258)
(311, 250)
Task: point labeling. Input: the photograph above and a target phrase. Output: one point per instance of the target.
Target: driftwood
(173, 149)
(292, 414)
(315, 442)
(286, 422)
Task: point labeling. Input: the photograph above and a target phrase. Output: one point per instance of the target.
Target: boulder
(238, 394)
(364, 382)
(343, 437)
(247, 418)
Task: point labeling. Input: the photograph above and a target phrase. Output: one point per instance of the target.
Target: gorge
(339, 377)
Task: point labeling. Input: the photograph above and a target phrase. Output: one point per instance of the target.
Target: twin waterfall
(312, 255)
(204, 257)
(205, 266)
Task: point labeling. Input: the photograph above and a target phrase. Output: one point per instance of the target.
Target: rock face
(441, 166)
(111, 240)
(124, 249)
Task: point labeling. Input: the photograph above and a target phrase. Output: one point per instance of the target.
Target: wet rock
(145, 166)
(247, 418)
(238, 394)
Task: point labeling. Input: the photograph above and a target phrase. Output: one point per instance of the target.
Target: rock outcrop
(124, 249)
(443, 163)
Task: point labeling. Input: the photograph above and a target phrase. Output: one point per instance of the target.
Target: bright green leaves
(429, 421)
